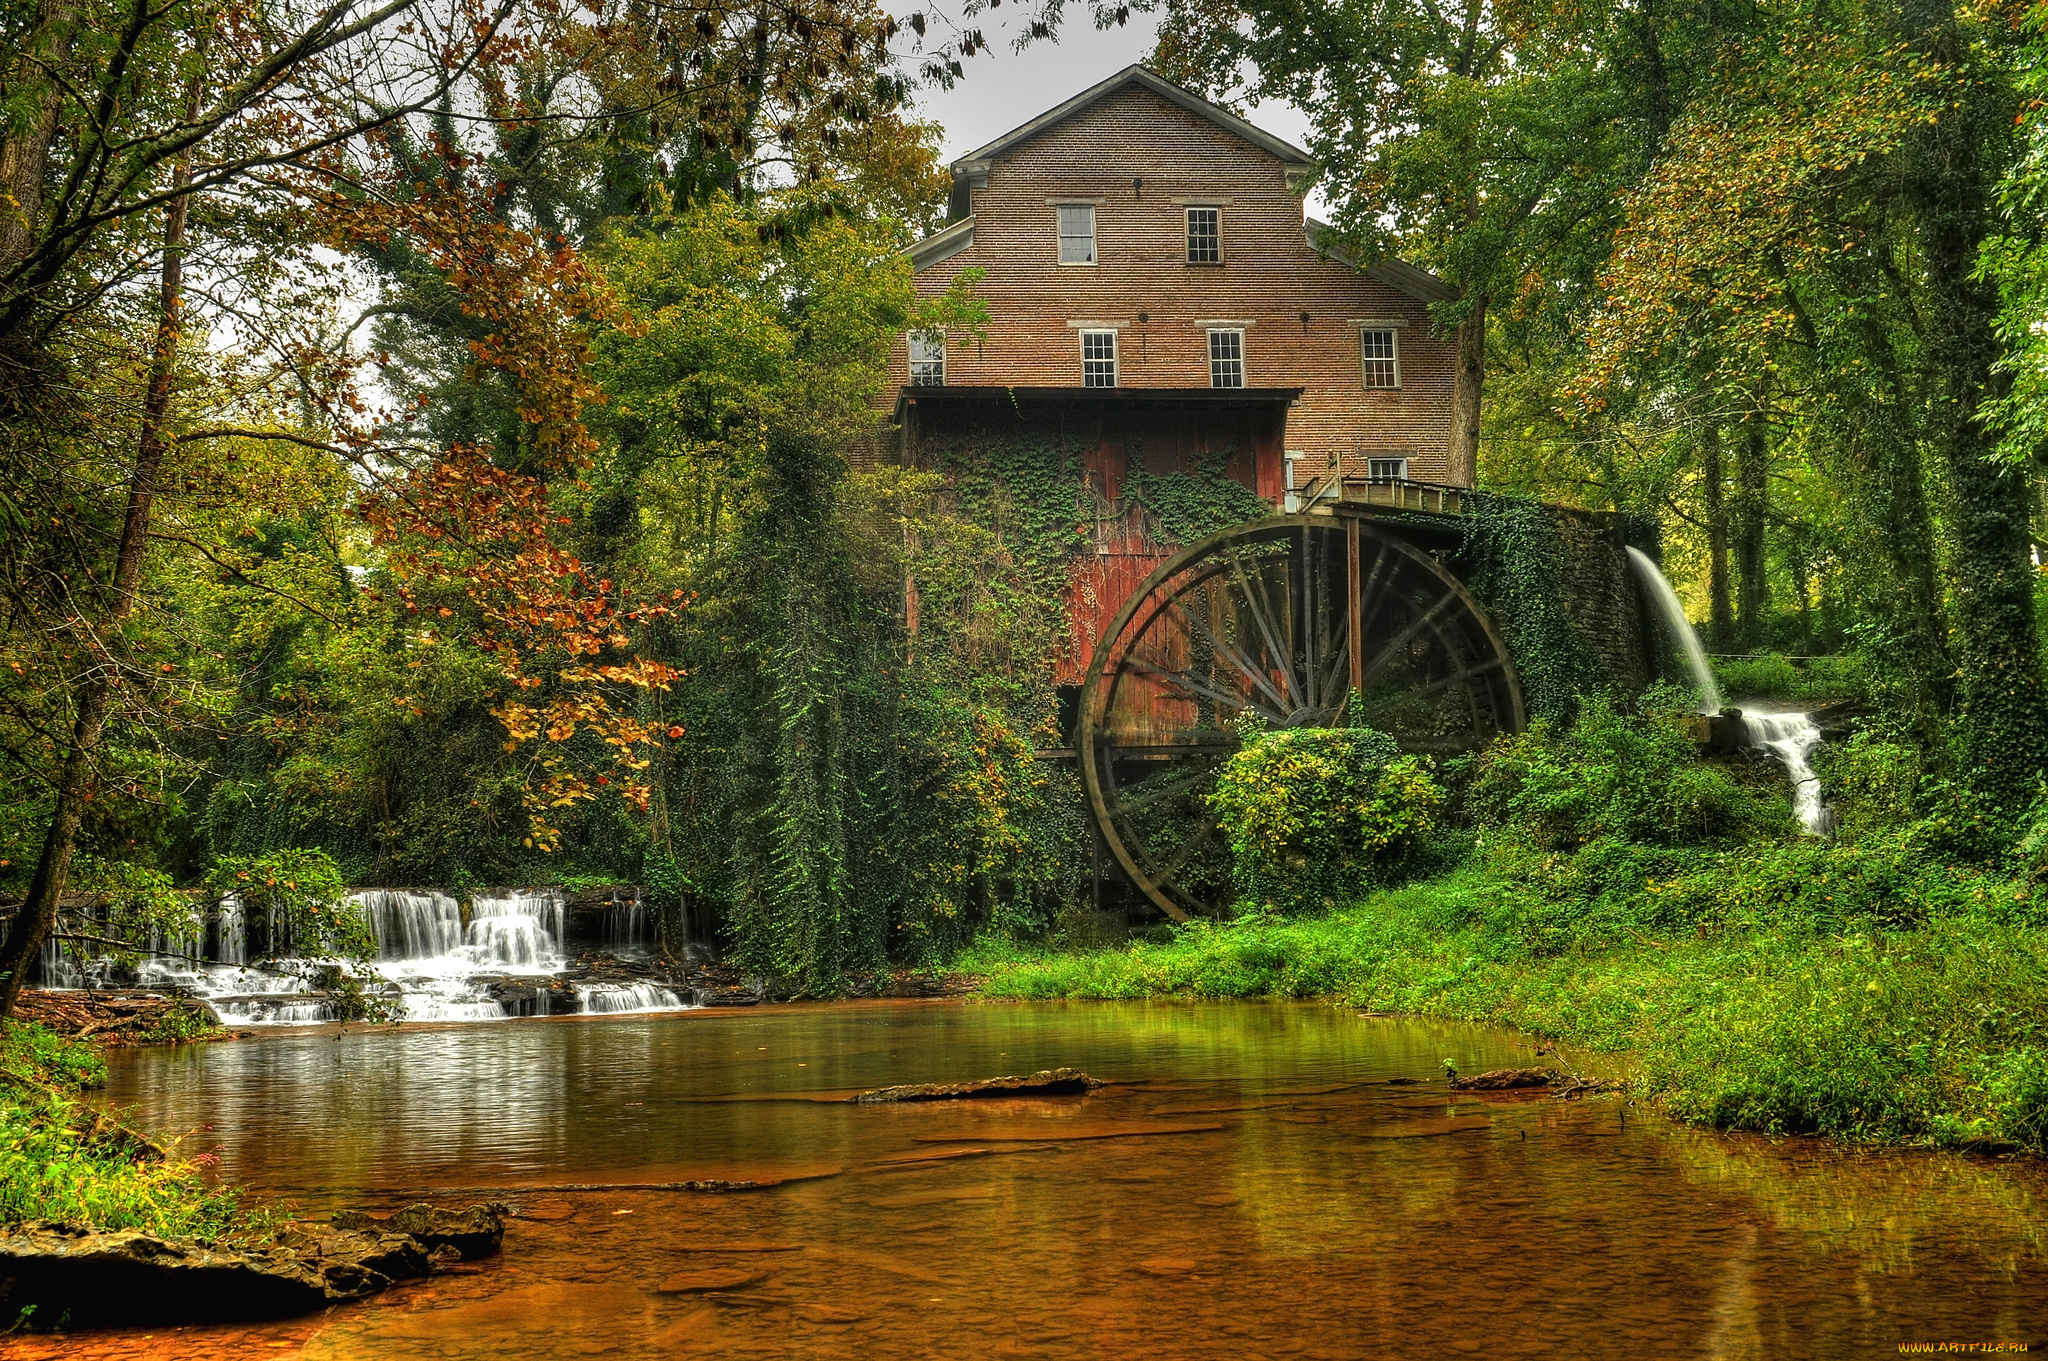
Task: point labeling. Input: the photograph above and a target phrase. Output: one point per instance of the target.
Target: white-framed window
(1226, 359)
(1387, 469)
(1077, 233)
(1205, 236)
(1381, 354)
(927, 359)
(1098, 359)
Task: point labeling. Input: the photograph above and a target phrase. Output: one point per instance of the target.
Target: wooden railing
(1392, 492)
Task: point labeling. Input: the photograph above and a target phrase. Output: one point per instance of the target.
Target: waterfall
(605, 998)
(431, 966)
(409, 924)
(1791, 737)
(232, 937)
(625, 923)
(522, 929)
(1681, 629)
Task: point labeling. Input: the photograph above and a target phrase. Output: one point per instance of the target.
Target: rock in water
(716, 1278)
(76, 1277)
(1505, 1079)
(474, 1232)
(1052, 1082)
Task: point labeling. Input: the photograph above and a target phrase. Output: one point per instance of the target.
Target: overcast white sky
(1004, 88)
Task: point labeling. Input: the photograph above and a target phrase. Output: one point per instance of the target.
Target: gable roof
(1419, 284)
(1298, 161)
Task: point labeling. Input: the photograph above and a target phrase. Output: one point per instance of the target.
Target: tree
(1475, 141)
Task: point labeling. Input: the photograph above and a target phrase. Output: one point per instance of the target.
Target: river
(1253, 1186)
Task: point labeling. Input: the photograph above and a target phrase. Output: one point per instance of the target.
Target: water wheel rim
(1503, 689)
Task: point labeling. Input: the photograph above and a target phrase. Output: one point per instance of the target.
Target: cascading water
(626, 925)
(1791, 737)
(1681, 630)
(506, 961)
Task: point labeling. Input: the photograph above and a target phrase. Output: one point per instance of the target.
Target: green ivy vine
(1517, 564)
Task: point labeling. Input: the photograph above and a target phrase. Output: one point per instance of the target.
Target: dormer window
(927, 359)
(1205, 236)
(1077, 234)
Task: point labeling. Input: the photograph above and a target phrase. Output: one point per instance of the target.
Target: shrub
(1872, 783)
(1637, 777)
(1313, 815)
(300, 893)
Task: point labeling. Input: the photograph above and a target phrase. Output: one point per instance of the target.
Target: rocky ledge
(75, 1277)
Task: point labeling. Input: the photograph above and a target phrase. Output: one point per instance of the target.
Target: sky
(1005, 88)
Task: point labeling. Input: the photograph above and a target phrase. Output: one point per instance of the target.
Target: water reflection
(1255, 1187)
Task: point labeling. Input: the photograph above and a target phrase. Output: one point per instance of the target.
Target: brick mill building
(1156, 291)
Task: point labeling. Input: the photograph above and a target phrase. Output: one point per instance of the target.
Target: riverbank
(1806, 988)
(63, 1159)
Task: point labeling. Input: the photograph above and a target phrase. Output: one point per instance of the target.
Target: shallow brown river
(1253, 1187)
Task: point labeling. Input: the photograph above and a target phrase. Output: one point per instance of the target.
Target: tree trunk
(25, 156)
(1466, 389)
(1752, 505)
(38, 915)
(1721, 616)
(1951, 169)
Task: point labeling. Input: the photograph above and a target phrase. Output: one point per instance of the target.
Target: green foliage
(1873, 785)
(1774, 676)
(1191, 505)
(181, 1023)
(1636, 777)
(136, 903)
(1517, 561)
(301, 896)
(1314, 814)
(1804, 987)
(62, 1160)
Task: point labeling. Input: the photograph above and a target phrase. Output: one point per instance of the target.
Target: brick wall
(1269, 277)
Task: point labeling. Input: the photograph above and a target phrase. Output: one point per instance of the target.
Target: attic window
(1205, 236)
(1077, 233)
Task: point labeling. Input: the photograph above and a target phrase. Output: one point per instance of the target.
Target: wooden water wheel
(1275, 617)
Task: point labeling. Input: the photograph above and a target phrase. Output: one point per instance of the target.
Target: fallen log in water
(1505, 1079)
(1051, 1082)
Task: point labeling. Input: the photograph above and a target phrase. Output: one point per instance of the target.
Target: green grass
(1790, 988)
(61, 1159)
(1774, 677)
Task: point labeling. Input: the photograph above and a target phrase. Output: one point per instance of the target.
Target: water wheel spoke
(1458, 677)
(1194, 687)
(1187, 851)
(1237, 659)
(1369, 594)
(1400, 640)
(1339, 661)
(1151, 793)
(1256, 603)
(1306, 622)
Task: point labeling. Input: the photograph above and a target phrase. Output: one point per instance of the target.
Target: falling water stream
(1681, 630)
(1787, 734)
